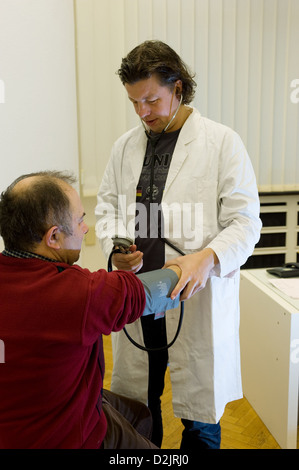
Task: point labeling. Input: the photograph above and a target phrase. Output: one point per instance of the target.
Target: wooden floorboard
(241, 426)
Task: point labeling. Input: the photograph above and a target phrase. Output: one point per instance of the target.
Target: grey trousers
(129, 423)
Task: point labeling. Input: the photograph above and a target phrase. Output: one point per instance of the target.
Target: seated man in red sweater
(52, 317)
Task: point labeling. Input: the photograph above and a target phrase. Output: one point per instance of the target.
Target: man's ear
(178, 88)
(52, 238)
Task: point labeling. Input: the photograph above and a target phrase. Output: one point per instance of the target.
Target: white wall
(38, 116)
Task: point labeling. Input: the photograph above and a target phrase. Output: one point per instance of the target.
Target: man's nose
(143, 110)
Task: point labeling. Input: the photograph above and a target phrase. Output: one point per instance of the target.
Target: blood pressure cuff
(158, 286)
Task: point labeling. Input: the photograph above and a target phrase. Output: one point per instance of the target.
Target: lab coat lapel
(187, 134)
(179, 155)
(136, 150)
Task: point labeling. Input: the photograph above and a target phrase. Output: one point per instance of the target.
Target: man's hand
(176, 269)
(195, 272)
(129, 262)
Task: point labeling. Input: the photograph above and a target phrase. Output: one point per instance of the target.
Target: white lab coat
(210, 166)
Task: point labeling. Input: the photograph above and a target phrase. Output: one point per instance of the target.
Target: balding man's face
(71, 244)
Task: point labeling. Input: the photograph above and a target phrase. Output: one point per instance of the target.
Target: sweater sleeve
(115, 299)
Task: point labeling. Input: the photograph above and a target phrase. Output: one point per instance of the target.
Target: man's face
(155, 104)
(71, 244)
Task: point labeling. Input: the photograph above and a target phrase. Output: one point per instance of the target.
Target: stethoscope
(154, 140)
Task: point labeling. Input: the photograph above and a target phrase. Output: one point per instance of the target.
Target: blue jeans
(197, 435)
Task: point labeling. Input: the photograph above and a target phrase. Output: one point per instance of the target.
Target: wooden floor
(240, 426)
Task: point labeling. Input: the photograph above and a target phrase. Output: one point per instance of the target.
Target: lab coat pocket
(188, 216)
(200, 214)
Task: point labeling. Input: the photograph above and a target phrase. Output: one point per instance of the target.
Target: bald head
(30, 180)
(32, 204)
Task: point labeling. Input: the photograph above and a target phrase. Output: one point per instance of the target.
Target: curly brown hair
(157, 58)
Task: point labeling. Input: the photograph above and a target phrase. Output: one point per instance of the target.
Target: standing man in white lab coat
(184, 178)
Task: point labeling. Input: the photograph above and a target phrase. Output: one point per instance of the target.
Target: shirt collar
(25, 255)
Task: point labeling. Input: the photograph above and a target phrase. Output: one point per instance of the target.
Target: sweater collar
(25, 255)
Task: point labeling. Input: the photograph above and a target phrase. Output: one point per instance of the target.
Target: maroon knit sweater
(52, 317)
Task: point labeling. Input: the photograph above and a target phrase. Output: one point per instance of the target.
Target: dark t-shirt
(149, 218)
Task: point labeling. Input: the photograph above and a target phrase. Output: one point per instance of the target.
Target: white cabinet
(269, 336)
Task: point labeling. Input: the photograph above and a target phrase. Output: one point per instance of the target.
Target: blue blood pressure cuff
(158, 286)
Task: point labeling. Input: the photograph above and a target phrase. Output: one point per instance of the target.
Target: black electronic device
(122, 243)
(287, 270)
